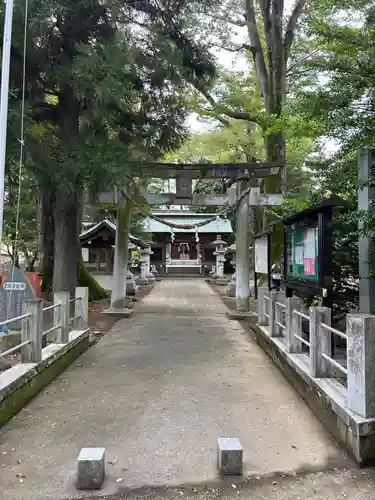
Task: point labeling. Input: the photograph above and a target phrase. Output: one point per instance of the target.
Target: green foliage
(102, 87)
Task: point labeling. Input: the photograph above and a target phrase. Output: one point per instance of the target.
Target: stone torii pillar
(242, 251)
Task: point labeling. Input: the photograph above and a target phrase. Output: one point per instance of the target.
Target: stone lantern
(131, 286)
(231, 287)
(146, 275)
(220, 251)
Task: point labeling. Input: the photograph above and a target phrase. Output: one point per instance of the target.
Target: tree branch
(225, 110)
(239, 48)
(257, 49)
(291, 27)
(234, 22)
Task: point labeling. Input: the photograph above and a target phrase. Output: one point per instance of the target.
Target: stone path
(157, 391)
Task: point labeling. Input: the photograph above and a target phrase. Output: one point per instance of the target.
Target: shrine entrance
(242, 188)
(184, 251)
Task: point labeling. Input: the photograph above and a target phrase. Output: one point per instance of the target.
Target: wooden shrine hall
(98, 246)
(185, 250)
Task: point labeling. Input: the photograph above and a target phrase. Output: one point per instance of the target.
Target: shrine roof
(219, 226)
(105, 223)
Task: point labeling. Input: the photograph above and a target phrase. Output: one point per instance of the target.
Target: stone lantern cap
(146, 251)
(218, 242)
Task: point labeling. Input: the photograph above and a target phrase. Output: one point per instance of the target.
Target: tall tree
(270, 33)
(101, 86)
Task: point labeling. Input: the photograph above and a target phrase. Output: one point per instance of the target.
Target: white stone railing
(32, 333)
(282, 319)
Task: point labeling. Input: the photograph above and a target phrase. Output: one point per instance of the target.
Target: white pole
(7, 40)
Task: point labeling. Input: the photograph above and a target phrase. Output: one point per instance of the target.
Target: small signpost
(262, 260)
(14, 289)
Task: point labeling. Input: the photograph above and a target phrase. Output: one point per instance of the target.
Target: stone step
(183, 270)
(180, 276)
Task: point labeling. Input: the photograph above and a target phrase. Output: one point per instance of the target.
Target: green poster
(303, 254)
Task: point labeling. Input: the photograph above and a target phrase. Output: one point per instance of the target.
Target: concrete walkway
(157, 391)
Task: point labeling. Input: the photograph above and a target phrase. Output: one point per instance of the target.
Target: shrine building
(181, 240)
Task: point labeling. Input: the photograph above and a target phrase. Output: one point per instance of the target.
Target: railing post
(275, 296)
(320, 342)
(61, 315)
(262, 319)
(82, 306)
(32, 330)
(293, 325)
(360, 330)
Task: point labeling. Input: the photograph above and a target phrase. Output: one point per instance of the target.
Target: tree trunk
(66, 231)
(84, 277)
(47, 237)
(124, 213)
(68, 191)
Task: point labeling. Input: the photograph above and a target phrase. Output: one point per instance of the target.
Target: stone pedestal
(91, 468)
(131, 287)
(231, 287)
(229, 456)
(120, 313)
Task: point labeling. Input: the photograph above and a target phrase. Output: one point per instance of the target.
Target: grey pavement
(157, 391)
(331, 485)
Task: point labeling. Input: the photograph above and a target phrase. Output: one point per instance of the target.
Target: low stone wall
(325, 397)
(21, 383)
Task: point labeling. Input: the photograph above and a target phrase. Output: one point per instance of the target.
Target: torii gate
(246, 192)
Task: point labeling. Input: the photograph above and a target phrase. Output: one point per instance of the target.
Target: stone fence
(32, 334)
(65, 340)
(339, 386)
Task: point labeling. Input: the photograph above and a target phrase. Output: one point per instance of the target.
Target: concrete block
(142, 281)
(222, 281)
(90, 468)
(231, 289)
(121, 313)
(131, 287)
(251, 317)
(229, 456)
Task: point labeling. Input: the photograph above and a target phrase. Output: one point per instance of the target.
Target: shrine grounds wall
(21, 383)
(355, 434)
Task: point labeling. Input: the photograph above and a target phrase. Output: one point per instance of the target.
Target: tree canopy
(112, 82)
